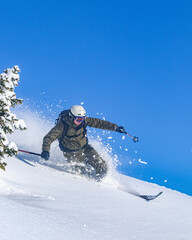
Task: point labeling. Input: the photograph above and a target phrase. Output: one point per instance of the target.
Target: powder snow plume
(38, 126)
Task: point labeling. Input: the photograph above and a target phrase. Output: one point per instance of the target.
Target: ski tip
(159, 193)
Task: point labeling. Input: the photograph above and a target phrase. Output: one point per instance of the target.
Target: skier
(70, 130)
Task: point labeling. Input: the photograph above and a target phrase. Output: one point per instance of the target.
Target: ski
(133, 192)
(149, 197)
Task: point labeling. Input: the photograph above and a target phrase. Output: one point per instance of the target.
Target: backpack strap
(66, 126)
(64, 133)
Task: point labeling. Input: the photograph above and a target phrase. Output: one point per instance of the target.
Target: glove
(45, 155)
(120, 129)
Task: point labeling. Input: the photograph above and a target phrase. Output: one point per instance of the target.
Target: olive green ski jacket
(75, 137)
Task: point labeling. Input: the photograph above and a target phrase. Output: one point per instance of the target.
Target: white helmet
(78, 111)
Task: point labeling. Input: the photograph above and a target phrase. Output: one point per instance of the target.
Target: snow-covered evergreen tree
(8, 121)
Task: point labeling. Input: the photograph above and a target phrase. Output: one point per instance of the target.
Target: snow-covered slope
(41, 203)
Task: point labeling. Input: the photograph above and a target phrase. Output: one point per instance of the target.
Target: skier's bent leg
(75, 159)
(93, 159)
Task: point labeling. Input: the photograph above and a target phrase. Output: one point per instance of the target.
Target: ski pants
(88, 155)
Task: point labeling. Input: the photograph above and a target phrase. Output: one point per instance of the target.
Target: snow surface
(40, 201)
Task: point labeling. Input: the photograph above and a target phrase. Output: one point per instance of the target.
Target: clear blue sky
(130, 60)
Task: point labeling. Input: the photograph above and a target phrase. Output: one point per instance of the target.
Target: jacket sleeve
(55, 133)
(98, 123)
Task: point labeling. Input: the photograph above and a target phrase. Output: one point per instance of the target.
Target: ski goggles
(79, 119)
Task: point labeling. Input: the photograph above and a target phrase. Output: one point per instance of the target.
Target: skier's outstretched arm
(102, 124)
